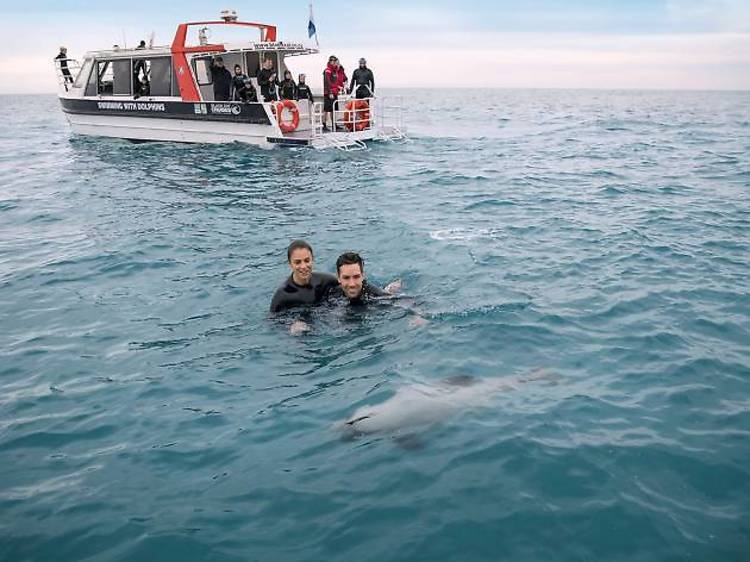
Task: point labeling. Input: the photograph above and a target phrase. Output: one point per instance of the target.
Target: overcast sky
(663, 44)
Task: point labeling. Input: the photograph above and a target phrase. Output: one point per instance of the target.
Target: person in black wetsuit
(222, 79)
(303, 286)
(287, 87)
(303, 90)
(350, 268)
(242, 86)
(355, 291)
(62, 56)
(267, 81)
(364, 80)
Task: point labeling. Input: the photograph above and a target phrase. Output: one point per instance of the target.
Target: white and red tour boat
(99, 95)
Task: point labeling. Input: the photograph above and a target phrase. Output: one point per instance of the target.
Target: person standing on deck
(267, 80)
(222, 79)
(62, 56)
(287, 87)
(334, 80)
(242, 87)
(364, 80)
(303, 90)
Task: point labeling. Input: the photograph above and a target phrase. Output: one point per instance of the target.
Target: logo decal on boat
(225, 109)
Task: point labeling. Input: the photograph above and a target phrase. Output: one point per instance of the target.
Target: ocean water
(151, 410)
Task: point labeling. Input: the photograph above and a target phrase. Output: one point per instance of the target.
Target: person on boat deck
(62, 56)
(242, 87)
(334, 80)
(287, 87)
(303, 90)
(141, 45)
(303, 286)
(142, 87)
(267, 80)
(222, 79)
(364, 80)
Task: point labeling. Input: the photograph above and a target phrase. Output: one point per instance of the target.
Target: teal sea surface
(151, 410)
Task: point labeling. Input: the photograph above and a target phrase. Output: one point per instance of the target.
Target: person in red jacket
(334, 81)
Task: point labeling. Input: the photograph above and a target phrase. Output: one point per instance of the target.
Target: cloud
(715, 15)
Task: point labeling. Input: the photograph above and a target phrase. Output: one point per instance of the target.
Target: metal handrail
(74, 69)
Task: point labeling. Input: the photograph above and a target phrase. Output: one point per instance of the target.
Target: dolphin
(417, 407)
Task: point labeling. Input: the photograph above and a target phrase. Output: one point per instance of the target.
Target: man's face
(301, 262)
(238, 71)
(351, 278)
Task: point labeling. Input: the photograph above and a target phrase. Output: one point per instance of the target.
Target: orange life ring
(357, 115)
(285, 125)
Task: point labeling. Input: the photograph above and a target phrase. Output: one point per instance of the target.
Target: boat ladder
(341, 141)
(391, 134)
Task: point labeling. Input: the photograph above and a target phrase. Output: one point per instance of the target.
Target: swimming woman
(303, 286)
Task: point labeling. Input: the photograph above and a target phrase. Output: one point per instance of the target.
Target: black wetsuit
(288, 90)
(365, 81)
(267, 86)
(304, 92)
(222, 79)
(243, 89)
(369, 292)
(63, 58)
(289, 294)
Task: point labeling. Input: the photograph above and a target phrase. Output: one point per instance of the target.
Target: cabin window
(91, 85)
(175, 84)
(105, 78)
(121, 70)
(161, 76)
(202, 71)
(83, 75)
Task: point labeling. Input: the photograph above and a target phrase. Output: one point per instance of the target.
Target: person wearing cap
(222, 79)
(334, 80)
(364, 80)
(62, 56)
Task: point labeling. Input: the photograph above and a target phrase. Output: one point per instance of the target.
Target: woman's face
(301, 262)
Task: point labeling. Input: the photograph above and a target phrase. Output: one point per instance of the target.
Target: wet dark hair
(350, 258)
(236, 66)
(297, 245)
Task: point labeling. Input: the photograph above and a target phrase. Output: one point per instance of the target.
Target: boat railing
(65, 80)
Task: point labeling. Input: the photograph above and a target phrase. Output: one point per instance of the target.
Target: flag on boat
(311, 25)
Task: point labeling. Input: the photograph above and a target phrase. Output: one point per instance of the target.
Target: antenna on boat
(228, 15)
(151, 40)
(203, 34)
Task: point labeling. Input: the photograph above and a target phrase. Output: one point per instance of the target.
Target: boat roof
(290, 49)
(267, 42)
